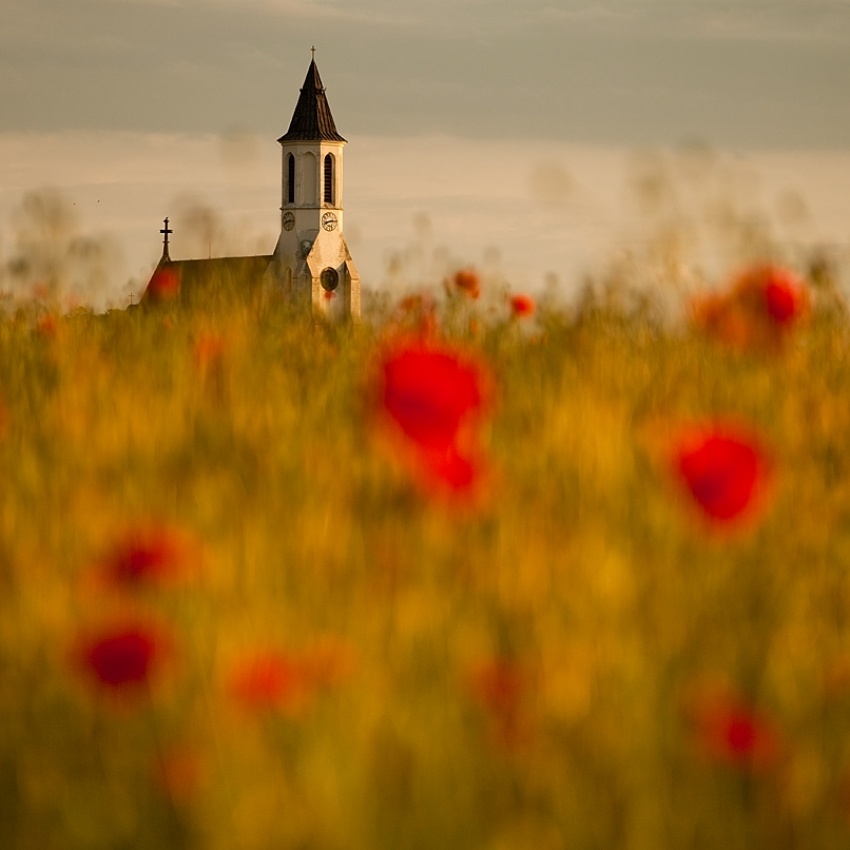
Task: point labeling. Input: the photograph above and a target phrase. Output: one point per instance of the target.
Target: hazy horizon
(527, 214)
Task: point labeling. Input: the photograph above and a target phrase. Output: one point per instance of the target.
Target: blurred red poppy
(414, 303)
(449, 470)
(724, 469)
(46, 325)
(429, 392)
(208, 351)
(468, 282)
(784, 296)
(757, 310)
(419, 312)
(267, 680)
(122, 658)
(728, 730)
(164, 285)
(522, 306)
(431, 397)
(150, 556)
(270, 679)
(783, 305)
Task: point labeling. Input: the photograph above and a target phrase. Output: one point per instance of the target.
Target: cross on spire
(313, 51)
(165, 231)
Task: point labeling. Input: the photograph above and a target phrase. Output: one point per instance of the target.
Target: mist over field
(536, 215)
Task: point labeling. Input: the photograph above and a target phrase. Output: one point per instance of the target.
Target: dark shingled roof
(312, 120)
(187, 281)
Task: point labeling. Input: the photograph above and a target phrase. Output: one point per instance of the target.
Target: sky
(539, 111)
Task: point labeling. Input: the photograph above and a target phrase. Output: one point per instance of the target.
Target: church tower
(311, 259)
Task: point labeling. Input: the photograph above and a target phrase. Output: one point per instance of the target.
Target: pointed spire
(312, 120)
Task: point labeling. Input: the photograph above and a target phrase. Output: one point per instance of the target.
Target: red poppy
(730, 731)
(208, 351)
(418, 311)
(164, 285)
(782, 295)
(722, 318)
(759, 308)
(122, 658)
(46, 325)
(448, 472)
(413, 304)
(149, 556)
(468, 282)
(724, 470)
(267, 680)
(429, 392)
(522, 306)
(783, 300)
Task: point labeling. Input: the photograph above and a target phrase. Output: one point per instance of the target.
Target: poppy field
(478, 572)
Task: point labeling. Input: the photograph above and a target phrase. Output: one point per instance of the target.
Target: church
(311, 263)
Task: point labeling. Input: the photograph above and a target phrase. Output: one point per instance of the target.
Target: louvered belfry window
(329, 179)
(290, 179)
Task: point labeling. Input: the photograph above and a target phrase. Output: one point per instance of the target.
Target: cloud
(375, 12)
(589, 12)
(609, 70)
(819, 21)
(715, 20)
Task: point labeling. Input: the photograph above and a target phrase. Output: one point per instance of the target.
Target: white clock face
(329, 221)
(288, 220)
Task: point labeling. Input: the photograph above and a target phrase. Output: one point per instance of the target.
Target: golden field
(249, 600)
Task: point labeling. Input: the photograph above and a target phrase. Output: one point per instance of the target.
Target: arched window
(290, 179)
(329, 179)
(329, 279)
(309, 193)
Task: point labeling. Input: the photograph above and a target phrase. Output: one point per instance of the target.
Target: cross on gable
(165, 231)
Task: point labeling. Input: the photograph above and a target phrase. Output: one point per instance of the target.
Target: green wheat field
(251, 599)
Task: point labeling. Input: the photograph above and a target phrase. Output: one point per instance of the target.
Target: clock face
(329, 221)
(288, 220)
